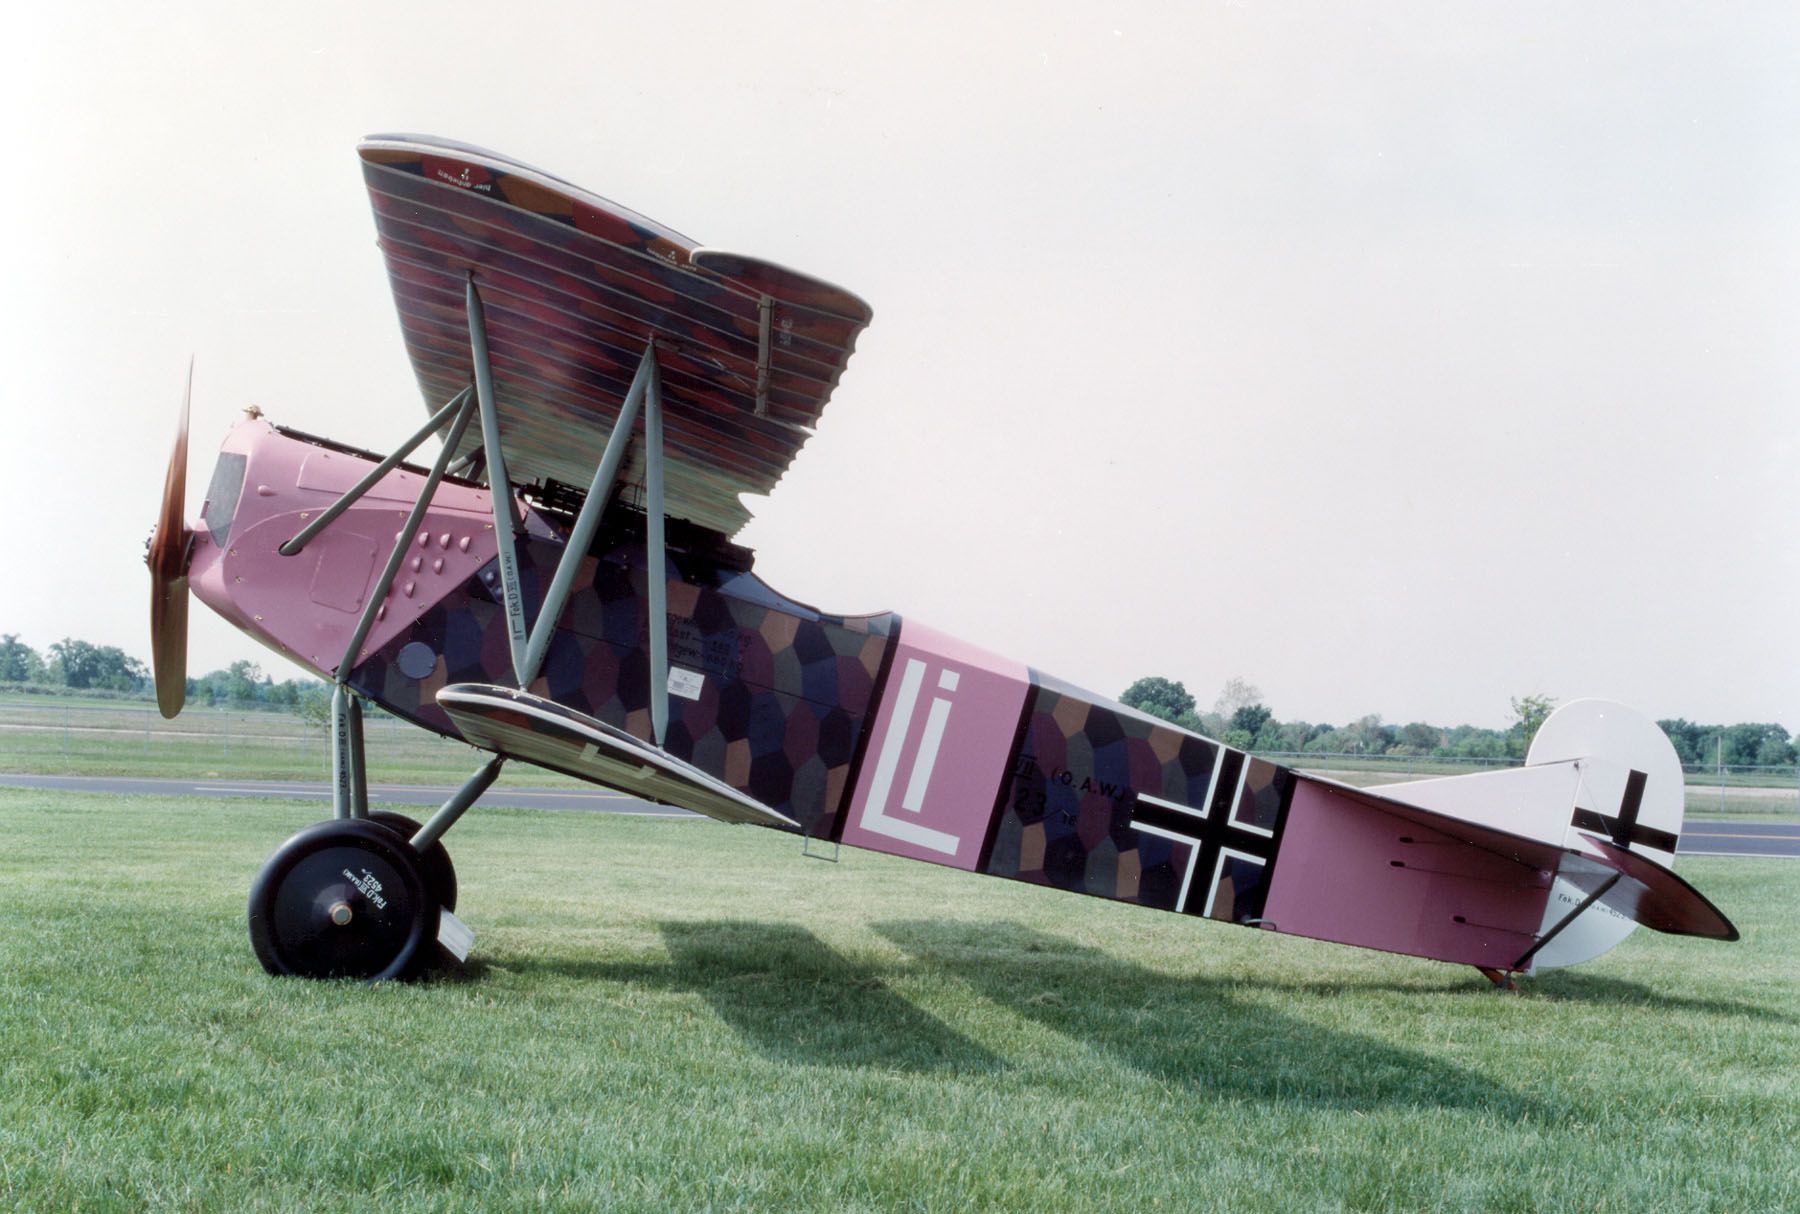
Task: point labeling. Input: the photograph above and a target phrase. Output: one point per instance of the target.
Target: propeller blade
(168, 558)
(168, 644)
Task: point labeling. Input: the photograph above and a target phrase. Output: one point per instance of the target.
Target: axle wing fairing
(523, 726)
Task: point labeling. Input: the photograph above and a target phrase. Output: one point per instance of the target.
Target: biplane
(559, 586)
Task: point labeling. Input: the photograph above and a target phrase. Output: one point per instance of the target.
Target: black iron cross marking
(1625, 829)
(1213, 837)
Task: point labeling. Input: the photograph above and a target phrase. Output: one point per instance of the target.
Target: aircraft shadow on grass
(791, 997)
(1577, 987)
(1193, 1031)
(1558, 986)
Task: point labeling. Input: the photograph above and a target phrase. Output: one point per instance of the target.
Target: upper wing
(574, 288)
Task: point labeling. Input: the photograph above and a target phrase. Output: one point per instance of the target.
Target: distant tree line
(72, 665)
(1240, 718)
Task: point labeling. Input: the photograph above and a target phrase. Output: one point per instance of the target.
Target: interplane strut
(529, 648)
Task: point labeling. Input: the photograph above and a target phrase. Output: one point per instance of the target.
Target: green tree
(1471, 742)
(73, 663)
(1684, 736)
(1274, 735)
(1420, 738)
(1529, 713)
(1280, 735)
(1370, 736)
(1250, 718)
(243, 682)
(128, 673)
(1764, 744)
(1779, 751)
(312, 704)
(81, 665)
(1159, 697)
(19, 662)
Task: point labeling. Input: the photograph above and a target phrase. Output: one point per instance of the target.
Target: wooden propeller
(167, 557)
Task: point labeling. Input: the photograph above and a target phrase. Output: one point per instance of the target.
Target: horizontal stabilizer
(1530, 801)
(1438, 885)
(1646, 892)
(1359, 868)
(520, 725)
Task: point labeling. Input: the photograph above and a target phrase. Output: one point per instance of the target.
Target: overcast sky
(1396, 358)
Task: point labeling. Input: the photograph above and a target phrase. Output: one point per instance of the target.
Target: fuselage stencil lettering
(876, 815)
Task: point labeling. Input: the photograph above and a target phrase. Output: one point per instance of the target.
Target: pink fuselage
(864, 730)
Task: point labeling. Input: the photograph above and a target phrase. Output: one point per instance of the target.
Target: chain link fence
(131, 739)
(53, 736)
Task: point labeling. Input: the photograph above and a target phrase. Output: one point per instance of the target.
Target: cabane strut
(529, 647)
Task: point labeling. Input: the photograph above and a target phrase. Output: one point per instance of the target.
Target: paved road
(1720, 838)
(1727, 838)
(597, 801)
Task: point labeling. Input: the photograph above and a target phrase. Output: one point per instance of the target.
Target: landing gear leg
(352, 897)
(364, 895)
(434, 861)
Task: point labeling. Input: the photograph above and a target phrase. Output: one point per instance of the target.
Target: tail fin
(1635, 794)
(1631, 794)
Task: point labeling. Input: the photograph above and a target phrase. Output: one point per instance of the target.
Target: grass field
(676, 1015)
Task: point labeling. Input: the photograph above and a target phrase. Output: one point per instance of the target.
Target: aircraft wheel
(434, 861)
(343, 899)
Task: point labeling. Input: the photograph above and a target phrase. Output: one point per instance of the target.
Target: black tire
(343, 899)
(434, 861)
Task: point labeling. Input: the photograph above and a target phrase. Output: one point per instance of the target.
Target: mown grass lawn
(676, 1015)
